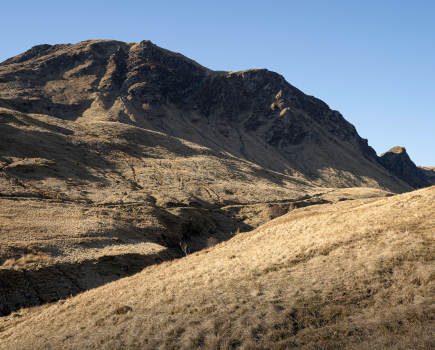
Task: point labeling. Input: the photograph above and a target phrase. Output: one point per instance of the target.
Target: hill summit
(398, 162)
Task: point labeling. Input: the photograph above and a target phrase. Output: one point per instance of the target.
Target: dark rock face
(285, 129)
(365, 149)
(429, 172)
(243, 113)
(398, 162)
(153, 77)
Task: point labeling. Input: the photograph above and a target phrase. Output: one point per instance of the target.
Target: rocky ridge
(398, 162)
(429, 172)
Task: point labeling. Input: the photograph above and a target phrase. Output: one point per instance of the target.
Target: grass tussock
(27, 259)
(360, 277)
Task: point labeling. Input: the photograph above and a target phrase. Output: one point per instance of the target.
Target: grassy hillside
(355, 274)
(149, 202)
(84, 204)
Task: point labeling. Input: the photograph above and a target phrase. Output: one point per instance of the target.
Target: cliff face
(398, 162)
(429, 172)
(254, 115)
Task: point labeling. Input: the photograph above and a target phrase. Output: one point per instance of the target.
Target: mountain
(254, 115)
(117, 156)
(398, 162)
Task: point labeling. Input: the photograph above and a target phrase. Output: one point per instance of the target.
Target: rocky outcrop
(398, 162)
(429, 172)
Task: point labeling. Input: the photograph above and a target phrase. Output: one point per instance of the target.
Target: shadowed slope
(429, 172)
(116, 163)
(398, 162)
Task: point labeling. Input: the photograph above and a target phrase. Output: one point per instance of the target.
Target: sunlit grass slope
(356, 274)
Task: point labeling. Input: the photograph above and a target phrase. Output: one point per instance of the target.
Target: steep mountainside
(398, 162)
(254, 115)
(429, 172)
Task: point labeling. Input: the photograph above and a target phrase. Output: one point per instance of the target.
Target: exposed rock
(398, 162)
(429, 172)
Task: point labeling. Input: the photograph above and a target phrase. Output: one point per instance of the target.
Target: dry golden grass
(353, 276)
(50, 250)
(80, 191)
(26, 259)
(113, 163)
(96, 185)
(67, 232)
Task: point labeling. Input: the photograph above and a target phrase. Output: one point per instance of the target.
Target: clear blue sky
(371, 60)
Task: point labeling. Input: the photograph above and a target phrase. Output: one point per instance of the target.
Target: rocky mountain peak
(398, 150)
(400, 164)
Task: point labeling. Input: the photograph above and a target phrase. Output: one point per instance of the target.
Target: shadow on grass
(36, 286)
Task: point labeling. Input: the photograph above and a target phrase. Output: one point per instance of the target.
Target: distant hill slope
(254, 115)
(398, 162)
(308, 279)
